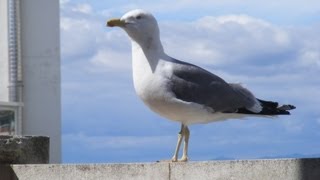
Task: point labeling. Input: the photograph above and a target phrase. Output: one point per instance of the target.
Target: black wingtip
(287, 107)
(269, 108)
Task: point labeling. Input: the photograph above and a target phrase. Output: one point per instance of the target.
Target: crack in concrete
(169, 171)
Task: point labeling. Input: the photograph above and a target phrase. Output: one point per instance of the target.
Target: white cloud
(111, 60)
(278, 11)
(82, 8)
(63, 2)
(78, 37)
(306, 6)
(310, 57)
(225, 40)
(221, 40)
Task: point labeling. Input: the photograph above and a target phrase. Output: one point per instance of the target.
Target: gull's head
(140, 25)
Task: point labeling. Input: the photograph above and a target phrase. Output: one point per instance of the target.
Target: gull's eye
(139, 17)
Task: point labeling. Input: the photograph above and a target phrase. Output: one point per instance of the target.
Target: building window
(7, 122)
(10, 118)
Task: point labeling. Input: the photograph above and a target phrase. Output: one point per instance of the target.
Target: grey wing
(194, 84)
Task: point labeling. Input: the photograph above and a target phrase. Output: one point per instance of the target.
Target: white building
(30, 70)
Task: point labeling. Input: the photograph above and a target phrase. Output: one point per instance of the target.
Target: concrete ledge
(273, 169)
(24, 150)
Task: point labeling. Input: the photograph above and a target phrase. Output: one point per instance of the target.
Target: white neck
(146, 54)
(145, 59)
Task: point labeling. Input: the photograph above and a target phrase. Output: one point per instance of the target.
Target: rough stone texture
(24, 149)
(273, 169)
(148, 171)
(284, 169)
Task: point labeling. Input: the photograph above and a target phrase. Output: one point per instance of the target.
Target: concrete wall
(40, 36)
(281, 169)
(24, 149)
(4, 79)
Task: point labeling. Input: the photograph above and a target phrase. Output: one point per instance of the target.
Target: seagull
(180, 91)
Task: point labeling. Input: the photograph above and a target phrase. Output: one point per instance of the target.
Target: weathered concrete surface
(24, 150)
(290, 169)
(273, 169)
(152, 171)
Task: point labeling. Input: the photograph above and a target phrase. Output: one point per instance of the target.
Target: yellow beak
(115, 22)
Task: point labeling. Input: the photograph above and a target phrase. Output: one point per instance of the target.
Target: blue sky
(272, 47)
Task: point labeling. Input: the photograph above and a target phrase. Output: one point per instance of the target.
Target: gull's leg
(180, 137)
(186, 134)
